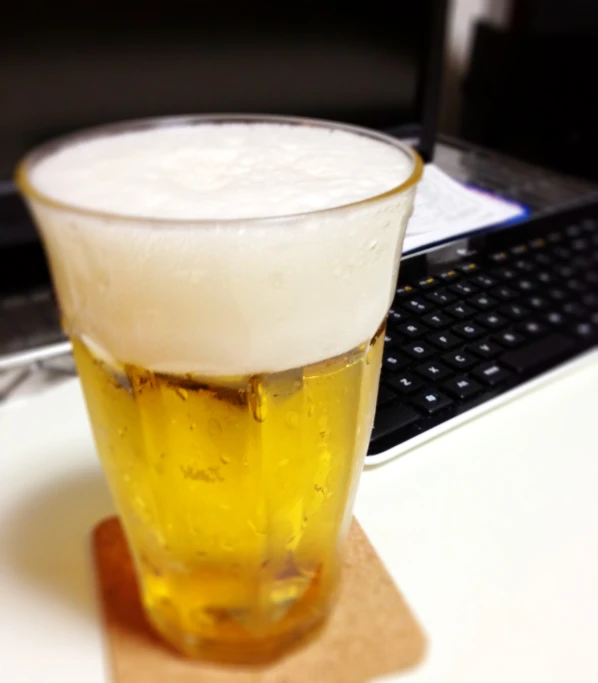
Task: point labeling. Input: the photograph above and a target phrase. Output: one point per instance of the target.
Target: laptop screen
(112, 60)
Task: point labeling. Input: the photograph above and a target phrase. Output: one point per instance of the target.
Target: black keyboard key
(505, 273)
(574, 309)
(562, 253)
(526, 286)
(580, 244)
(509, 338)
(590, 299)
(554, 237)
(460, 310)
(392, 339)
(584, 330)
(545, 278)
(432, 401)
(491, 374)
(582, 262)
(396, 316)
(427, 283)
(515, 311)
(492, 320)
(404, 382)
(468, 330)
(437, 320)
(413, 329)
(538, 243)
(532, 328)
(499, 257)
(576, 285)
(441, 297)
(393, 417)
(462, 387)
(525, 266)
(393, 361)
(485, 348)
(449, 276)
(483, 281)
(544, 258)
(463, 288)
(444, 340)
(504, 293)
(565, 271)
(558, 294)
(418, 349)
(385, 395)
(404, 291)
(519, 249)
(482, 301)
(416, 306)
(460, 360)
(573, 230)
(539, 354)
(537, 303)
(555, 318)
(433, 370)
(468, 268)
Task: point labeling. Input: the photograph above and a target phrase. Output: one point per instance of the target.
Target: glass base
(253, 651)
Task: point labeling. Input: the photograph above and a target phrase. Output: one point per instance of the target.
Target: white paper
(445, 208)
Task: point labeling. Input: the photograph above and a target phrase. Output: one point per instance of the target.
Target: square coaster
(371, 631)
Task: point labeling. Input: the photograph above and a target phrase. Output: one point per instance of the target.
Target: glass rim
(26, 187)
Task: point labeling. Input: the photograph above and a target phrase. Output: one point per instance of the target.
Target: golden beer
(224, 282)
(234, 491)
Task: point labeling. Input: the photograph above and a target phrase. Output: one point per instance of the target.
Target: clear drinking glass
(234, 483)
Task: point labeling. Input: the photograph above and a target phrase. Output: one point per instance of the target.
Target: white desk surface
(491, 533)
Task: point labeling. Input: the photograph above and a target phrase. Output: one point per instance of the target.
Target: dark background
(531, 86)
(75, 64)
(529, 90)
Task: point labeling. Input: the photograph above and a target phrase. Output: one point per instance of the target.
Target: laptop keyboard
(473, 320)
(470, 321)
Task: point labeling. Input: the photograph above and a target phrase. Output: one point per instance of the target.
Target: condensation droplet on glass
(254, 528)
(226, 545)
(292, 419)
(214, 428)
(181, 393)
(224, 459)
(372, 245)
(257, 399)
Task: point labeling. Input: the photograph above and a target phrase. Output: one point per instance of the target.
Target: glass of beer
(225, 283)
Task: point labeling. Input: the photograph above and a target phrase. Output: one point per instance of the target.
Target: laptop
(477, 318)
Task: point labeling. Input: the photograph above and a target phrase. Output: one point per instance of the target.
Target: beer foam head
(176, 273)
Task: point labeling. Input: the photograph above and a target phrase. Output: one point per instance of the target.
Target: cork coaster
(371, 631)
